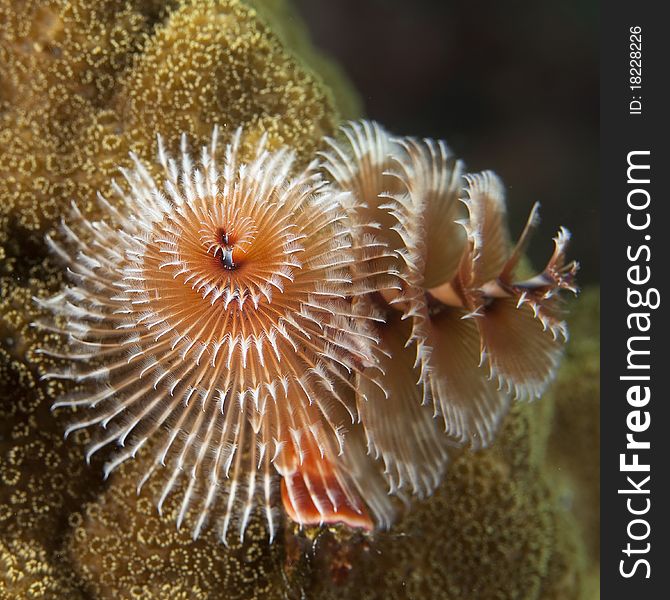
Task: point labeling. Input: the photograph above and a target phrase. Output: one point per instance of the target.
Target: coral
(215, 62)
(576, 456)
(60, 62)
(499, 526)
(85, 82)
(289, 27)
(122, 548)
(81, 83)
(76, 93)
(41, 480)
(487, 532)
(26, 571)
(496, 528)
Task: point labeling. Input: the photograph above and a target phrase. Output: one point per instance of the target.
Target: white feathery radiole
(317, 338)
(219, 306)
(446, 321)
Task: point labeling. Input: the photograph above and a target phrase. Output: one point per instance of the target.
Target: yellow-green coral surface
(82, 82)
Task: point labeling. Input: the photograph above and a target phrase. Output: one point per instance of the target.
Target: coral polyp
(315, 337)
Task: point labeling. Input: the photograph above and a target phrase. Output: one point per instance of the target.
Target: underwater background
(513, 87)
(510, 87)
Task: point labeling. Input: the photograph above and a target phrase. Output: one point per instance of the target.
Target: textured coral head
(211, 318)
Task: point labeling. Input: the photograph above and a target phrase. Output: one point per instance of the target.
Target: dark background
(511, 86)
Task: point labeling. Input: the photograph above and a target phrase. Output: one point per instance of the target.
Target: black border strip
(630, 565)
